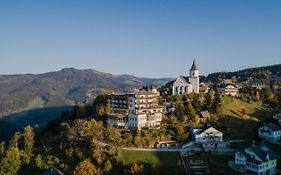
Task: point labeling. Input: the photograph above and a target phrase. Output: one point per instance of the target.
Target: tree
(137, 139)
(15, 140)
(28, 138)
(190, 110)
(94, 130)
(136, 169)
(11, 163)
(257, 96)
(196, 119)
(85, 168)
(112, 135)
(244, 111)
(107, 166)
(2, 150)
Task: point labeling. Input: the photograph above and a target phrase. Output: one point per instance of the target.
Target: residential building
(258, 159)
(205, 116)
(185, 85)
(136, 110)
(209, 139)
(203, 88)
(259, 83)
(270, 132)
(228, 89)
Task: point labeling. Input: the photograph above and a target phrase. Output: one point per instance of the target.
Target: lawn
(236, 126)
(216, 163)
(166, 160)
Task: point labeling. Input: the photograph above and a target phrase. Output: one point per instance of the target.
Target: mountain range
(66, 87)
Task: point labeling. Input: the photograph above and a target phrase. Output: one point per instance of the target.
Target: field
(237, 126)
(167, 161)
(216, 163)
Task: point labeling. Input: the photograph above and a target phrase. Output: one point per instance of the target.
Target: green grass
(216, 163)
(166, 160)
(37, 102)
(238, 126)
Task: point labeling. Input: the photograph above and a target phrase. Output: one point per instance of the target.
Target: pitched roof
(194, 66)
(264, 153)
(208, 129)
(273, 126)
(205, 114)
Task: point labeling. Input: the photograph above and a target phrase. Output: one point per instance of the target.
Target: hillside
(275, 70)
(65, 87)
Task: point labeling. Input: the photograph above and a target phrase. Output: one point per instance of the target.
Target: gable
(180, 80)
(211, 130)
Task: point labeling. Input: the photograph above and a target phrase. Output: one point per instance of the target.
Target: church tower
(194, 77)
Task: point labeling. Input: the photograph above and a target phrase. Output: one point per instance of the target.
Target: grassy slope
(167, 160)
(216, 163)
(239, 126)
(37, 102)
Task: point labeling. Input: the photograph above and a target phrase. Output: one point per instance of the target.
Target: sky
(147, 38)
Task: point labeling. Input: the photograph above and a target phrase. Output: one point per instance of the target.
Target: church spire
(194, 66)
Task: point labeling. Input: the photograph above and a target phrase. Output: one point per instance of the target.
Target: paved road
(155, 150)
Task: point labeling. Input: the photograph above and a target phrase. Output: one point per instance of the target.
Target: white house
(270, 132)
(208, 139)
(207, 135)
(258, 159)
(185, 85)
(228, 89)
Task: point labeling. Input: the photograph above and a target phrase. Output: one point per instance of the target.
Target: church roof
(194, 66)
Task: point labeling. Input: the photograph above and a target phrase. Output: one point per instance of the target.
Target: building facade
(138, 110)
(185, 85)
(270, 132)
(258, 159)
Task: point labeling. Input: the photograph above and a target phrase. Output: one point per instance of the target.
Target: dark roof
(194, 66)
(262, 151)
(273, 126)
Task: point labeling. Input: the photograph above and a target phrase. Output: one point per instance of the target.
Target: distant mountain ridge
(275, 70)
(68, 86)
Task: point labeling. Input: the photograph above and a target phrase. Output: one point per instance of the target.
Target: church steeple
(194, 66)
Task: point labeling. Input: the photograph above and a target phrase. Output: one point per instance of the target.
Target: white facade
(270, 132)
(230, 89)
(208, 135)
(139, 109)
(186, 85)
(137, 120)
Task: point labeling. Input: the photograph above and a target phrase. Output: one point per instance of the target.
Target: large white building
(136, 110)
(185, 85)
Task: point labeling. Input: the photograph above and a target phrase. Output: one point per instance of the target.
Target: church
(185, 85)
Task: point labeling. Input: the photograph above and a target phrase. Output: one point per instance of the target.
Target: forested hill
(65, 87)
(258, 72)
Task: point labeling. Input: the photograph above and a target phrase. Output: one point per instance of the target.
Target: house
(259, 84)
(204, 116)
(203, 88)
(226, 81)
(258, 159)
(185, 85)
(136, 110)
(228, 89)
(208, 139)
(270, 132)
(206, 135)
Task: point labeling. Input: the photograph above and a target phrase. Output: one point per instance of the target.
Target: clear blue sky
(151, 38)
